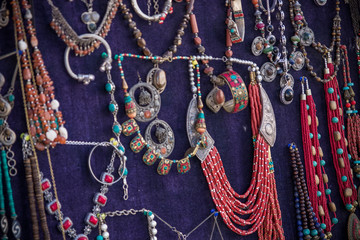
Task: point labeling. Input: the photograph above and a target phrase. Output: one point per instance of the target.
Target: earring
(286, 92)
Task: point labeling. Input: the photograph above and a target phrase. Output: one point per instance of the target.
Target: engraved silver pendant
(320, 2)
(257, 46)
(215, 99)
(157, 77)
(307, 36)
(165, 136)
(147, 112)
(268, 122)
(286, 80)
(299, 60)
(90, 18)
(4, 225)
(16, 229)
(268, 71)
(193, 135)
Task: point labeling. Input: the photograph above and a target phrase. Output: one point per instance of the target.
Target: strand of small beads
(308, 225)
(353, 119)
(46, 123)
(317, 179)
(183, 165)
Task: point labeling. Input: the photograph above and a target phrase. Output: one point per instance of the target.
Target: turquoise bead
(111, 107)
(99, 237)
(348, 206)
(307, 107)
(334, 220)
(338, 96)
(11, 98)
(344, 178)
(232, 30)
(345, 88)
(116, 128)
(328, 191)
(339, 151)
(330, 90)
(319, 135)
(104, 55)
(149, 213)
(314, 163)
(311, 135)
(318, 193)
(323, 225)
(314, 232)
(335, 120)
(124, 172)
(306, 231)
(343, 127)
(108, 87)
(1, 121)
(322, 162)
(350, 84)
(349, 156)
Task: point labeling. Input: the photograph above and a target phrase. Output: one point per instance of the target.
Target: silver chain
(84, 143)
(156, 6)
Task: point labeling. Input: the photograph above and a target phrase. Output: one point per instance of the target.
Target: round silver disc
(286, 80)
(257, 46)
(306, 36)
(299, 61)
(268, 72)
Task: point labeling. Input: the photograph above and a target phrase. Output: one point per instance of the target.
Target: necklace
(83, 46)
(317, 179)
(304, 37)
(308, 225)
(158, 17)
(148, 111)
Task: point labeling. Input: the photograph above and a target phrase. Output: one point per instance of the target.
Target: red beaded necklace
(261, 205)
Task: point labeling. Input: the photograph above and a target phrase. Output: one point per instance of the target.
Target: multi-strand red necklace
(261, 203)
(316, 177)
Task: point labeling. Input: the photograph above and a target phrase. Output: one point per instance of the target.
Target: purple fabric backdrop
(182, 200)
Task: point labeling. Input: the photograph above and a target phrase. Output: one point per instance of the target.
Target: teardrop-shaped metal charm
(8, 137)
(5, 107)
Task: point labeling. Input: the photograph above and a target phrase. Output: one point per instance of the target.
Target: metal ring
(89, 162)
(86, 78)
(12, 172)
(154, 18)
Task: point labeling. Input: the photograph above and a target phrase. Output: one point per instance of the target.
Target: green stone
(344, 178)
(322, 162)
(314, 232)
(330, 90)
(116, 128)
(334, 220)
(318, 193)
(348, 206)
(108, 87)
(268, 49)
(328, 191)
(104, 55)
(335, 120)
(306, 231)
(111, 107)
(314, 163)
(339, 151)
(11, 98)
(295, 39)
(323, 225)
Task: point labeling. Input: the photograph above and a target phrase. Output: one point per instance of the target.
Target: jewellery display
(308, 225)
(303, 37)
(4, 15)
(316, 177)
(83, 47)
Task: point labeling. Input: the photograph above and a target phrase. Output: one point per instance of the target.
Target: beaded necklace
(308, 225)
(305, 37)
(46, 123)
(317, 179)
(139, 142)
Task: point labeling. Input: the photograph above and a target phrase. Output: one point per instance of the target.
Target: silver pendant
(150, 111)
(234, 32)
(287, 95)
(16, 229)
(307, 36)
(299, 60)
(4, 225)
(268, 71)
(157, 77)
(90, 18)
(7, 137)
(257, 46)
(166, 139)
(320, 2)
(268, 122)
(193, 135)
(286, 80)
(5, 107)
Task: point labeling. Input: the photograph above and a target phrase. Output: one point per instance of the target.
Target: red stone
(219, 97)
(208, 70)
(93, 220)
(163, 150)
(197, 41)
(147, 114)
(229, 53)
(353, 102)
(45, 185)
(67, 224)
(348, 105)
(54, 207)
(101, 199)
(108, 179)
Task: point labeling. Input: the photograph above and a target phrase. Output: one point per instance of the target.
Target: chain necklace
(82, 47)
(90, 18)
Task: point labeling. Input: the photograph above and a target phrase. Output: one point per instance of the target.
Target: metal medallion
(307, 36)
(268, 71)
(148, 112)
(165, 136)
(16, 229)
(214, 99)
(7, 137)
(90, 18)
(4, 224)
(287, 95)
(286, 80)
(257, 46)
(268, 122)
(299, 60)
(193, 135)
(157, 77)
